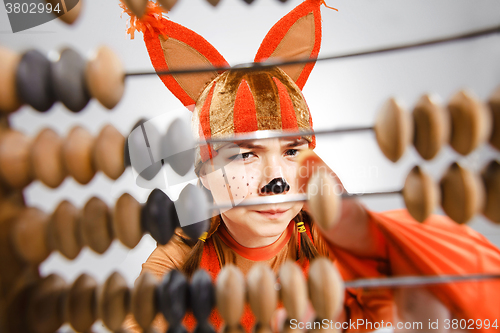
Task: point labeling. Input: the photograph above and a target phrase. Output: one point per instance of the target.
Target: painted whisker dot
(247, 184)
(234, 177)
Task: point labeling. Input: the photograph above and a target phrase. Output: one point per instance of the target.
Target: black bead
(248, 1)
(158, 217)
(192, 210)
(202, 294)
(174, 294)
(68, 76)
(204, 328)
(33, 81)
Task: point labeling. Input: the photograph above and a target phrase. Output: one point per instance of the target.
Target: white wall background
(340, 93)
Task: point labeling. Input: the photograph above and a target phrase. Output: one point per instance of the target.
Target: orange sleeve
(163, 259)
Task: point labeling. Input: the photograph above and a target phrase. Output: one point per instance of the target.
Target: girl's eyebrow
(249, 145)
(297, 142)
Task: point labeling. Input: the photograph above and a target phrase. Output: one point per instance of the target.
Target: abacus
(31, 302)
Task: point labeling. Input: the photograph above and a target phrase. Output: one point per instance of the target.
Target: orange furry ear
(172, 46)
(296, 36)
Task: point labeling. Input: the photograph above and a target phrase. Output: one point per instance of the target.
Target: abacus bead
(262, 295)
(77, 155)
(213, 2)
(462, 194)
(114, 301)
(9, 100)
(174, 293)
(178, 147)
(420, 194)
(138, 7)
(45, 307)
(230, 294)
(81, 304)
(33, 81)
(202, 293)
(46, 158)
(72, 12)
(96, 227)
(167, 4)
(494, 104)
(159, 217)
(105, 77)
(63, 230)
(144, 300)
(69, 80)
(194, 222)
(108, 152)
(491, 180)
(326, 289)
(15, 168)
(393, 130)
(470, 122)
(293, 290)
(127, 220)
(126, 151)
(325, 203)
(30, 235)
(432, 127)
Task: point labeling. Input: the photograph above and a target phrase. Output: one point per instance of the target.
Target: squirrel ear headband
(237, 101)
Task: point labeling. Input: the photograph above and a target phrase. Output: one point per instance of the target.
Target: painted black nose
(275, 186)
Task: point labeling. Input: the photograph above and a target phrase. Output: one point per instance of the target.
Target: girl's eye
(292, 152)
(242, 156)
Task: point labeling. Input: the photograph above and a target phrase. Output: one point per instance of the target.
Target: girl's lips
(272, 214)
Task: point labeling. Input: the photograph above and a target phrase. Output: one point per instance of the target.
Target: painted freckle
(247, 184)
(229, 186)
(234, 177)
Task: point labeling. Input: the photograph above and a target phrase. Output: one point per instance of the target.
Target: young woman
(362, 244)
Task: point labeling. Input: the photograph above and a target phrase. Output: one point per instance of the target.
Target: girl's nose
(275, 186)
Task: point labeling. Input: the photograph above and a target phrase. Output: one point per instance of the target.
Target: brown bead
(9, 100)
(46, 304)
(96, 229)
(470, 122)
(167, 4)
(262, 295)
(15, 168)
(81, 307)
(420, 194)
(494, 104)
(138, 7)
(30, 235)
(293, 292)
(105, 77)
(114, 301)
(462, 194)
(77, 155)
(326, 289)
(72, 13)
(393, 130)
(143, 302)
(491, 180)
(108, 152)
(213, 2)
(432, 127)
(127, 220)
(63, 230)
(230, 295)
(46, 158)
(324, 200)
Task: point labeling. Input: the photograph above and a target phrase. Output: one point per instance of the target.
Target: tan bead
(213, 2)
(470, 122)
(138, 7)
(143, 301)
(9, 100)
(114, 301)
(77, 155)
(106, 77)
(393, 130)
(96, 229)
(494, 104)
(324, 200)
(230, 296)
(167, 4)
(491, 180)
(30, 235)
(46, 304)
(326, 289)
(109, 151)
(81, 308)
(432, 127)
(70, 16)
(293, 292)
(420, 193)
(262, 295)
(63, 230)
(127, 220)
(15, 168)
(46, 158)
(462, 194)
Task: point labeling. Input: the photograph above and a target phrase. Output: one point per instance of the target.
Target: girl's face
(239, 172)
